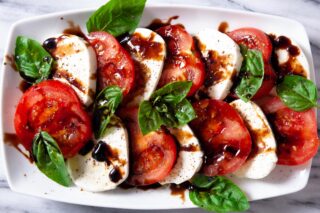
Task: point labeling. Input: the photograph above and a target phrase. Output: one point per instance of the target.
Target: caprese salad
(159, 105)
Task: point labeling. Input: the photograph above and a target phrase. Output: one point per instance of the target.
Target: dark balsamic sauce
(292, 65)
(100, 152)
(86, 148)
(50, 44)
(190, 148)
(146, 48)
(223, 27)
(11, 60)
(12, 140)
(180, 189)
(74, 29)
(115, 175)
(24, 86)
(157, 23)
(68, 77)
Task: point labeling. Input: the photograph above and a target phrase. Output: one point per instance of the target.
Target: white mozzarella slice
(148, 67)
(189, 160)
(76, 65)
(298, 63)
(92, 175)
(223, 59)
(263, 159)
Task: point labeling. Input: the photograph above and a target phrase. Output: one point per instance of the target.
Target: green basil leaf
(202, 181)
(251, 73)
(219, 195)
(298, 93)
(184, 112)
(169, 118)
(167, 106)
(149, 118)
(49, 159)
(32, 60)
(173, 92)
(104, 108)
(117, 17)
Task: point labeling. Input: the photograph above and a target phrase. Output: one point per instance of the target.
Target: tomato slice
(224, 136)
(54, 107)
(183, 62)
(115, 66)
(152, 155)
(295, 132)
(256, 39)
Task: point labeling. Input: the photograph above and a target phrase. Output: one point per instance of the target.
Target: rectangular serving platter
(24, 177)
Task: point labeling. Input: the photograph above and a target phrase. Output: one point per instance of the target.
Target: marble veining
(305, 11)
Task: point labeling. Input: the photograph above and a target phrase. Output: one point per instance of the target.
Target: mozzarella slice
(263, 158)
(92, 175)
(223, 62)
(189, 160)
(296, 62)
(76, 66)
(148, 51)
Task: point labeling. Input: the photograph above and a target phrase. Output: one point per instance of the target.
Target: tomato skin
(295, 132)
(184, 61)
(152, 155)
(54, 107)
(256, 39)
(224, 136)
(115, 66)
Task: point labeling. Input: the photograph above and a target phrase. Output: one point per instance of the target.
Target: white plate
(25, 178)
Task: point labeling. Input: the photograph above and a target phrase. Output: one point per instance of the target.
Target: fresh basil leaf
(49, 159)
(298, 93)
(167, 106)
(117, 17)
(32, 60)
(184, 112)
(104, 108)
(169, 118)
(202, 181)
(149, 118)
(251, 73)
(219, 195)
(173, 92)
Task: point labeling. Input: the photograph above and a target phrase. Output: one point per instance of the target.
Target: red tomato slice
(183, 62)
(53, 107)
(256, 39)
(296, 132)
(224, 136)
(115, 66)
(152, 155)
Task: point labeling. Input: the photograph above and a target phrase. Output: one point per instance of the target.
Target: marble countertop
(305, 11)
